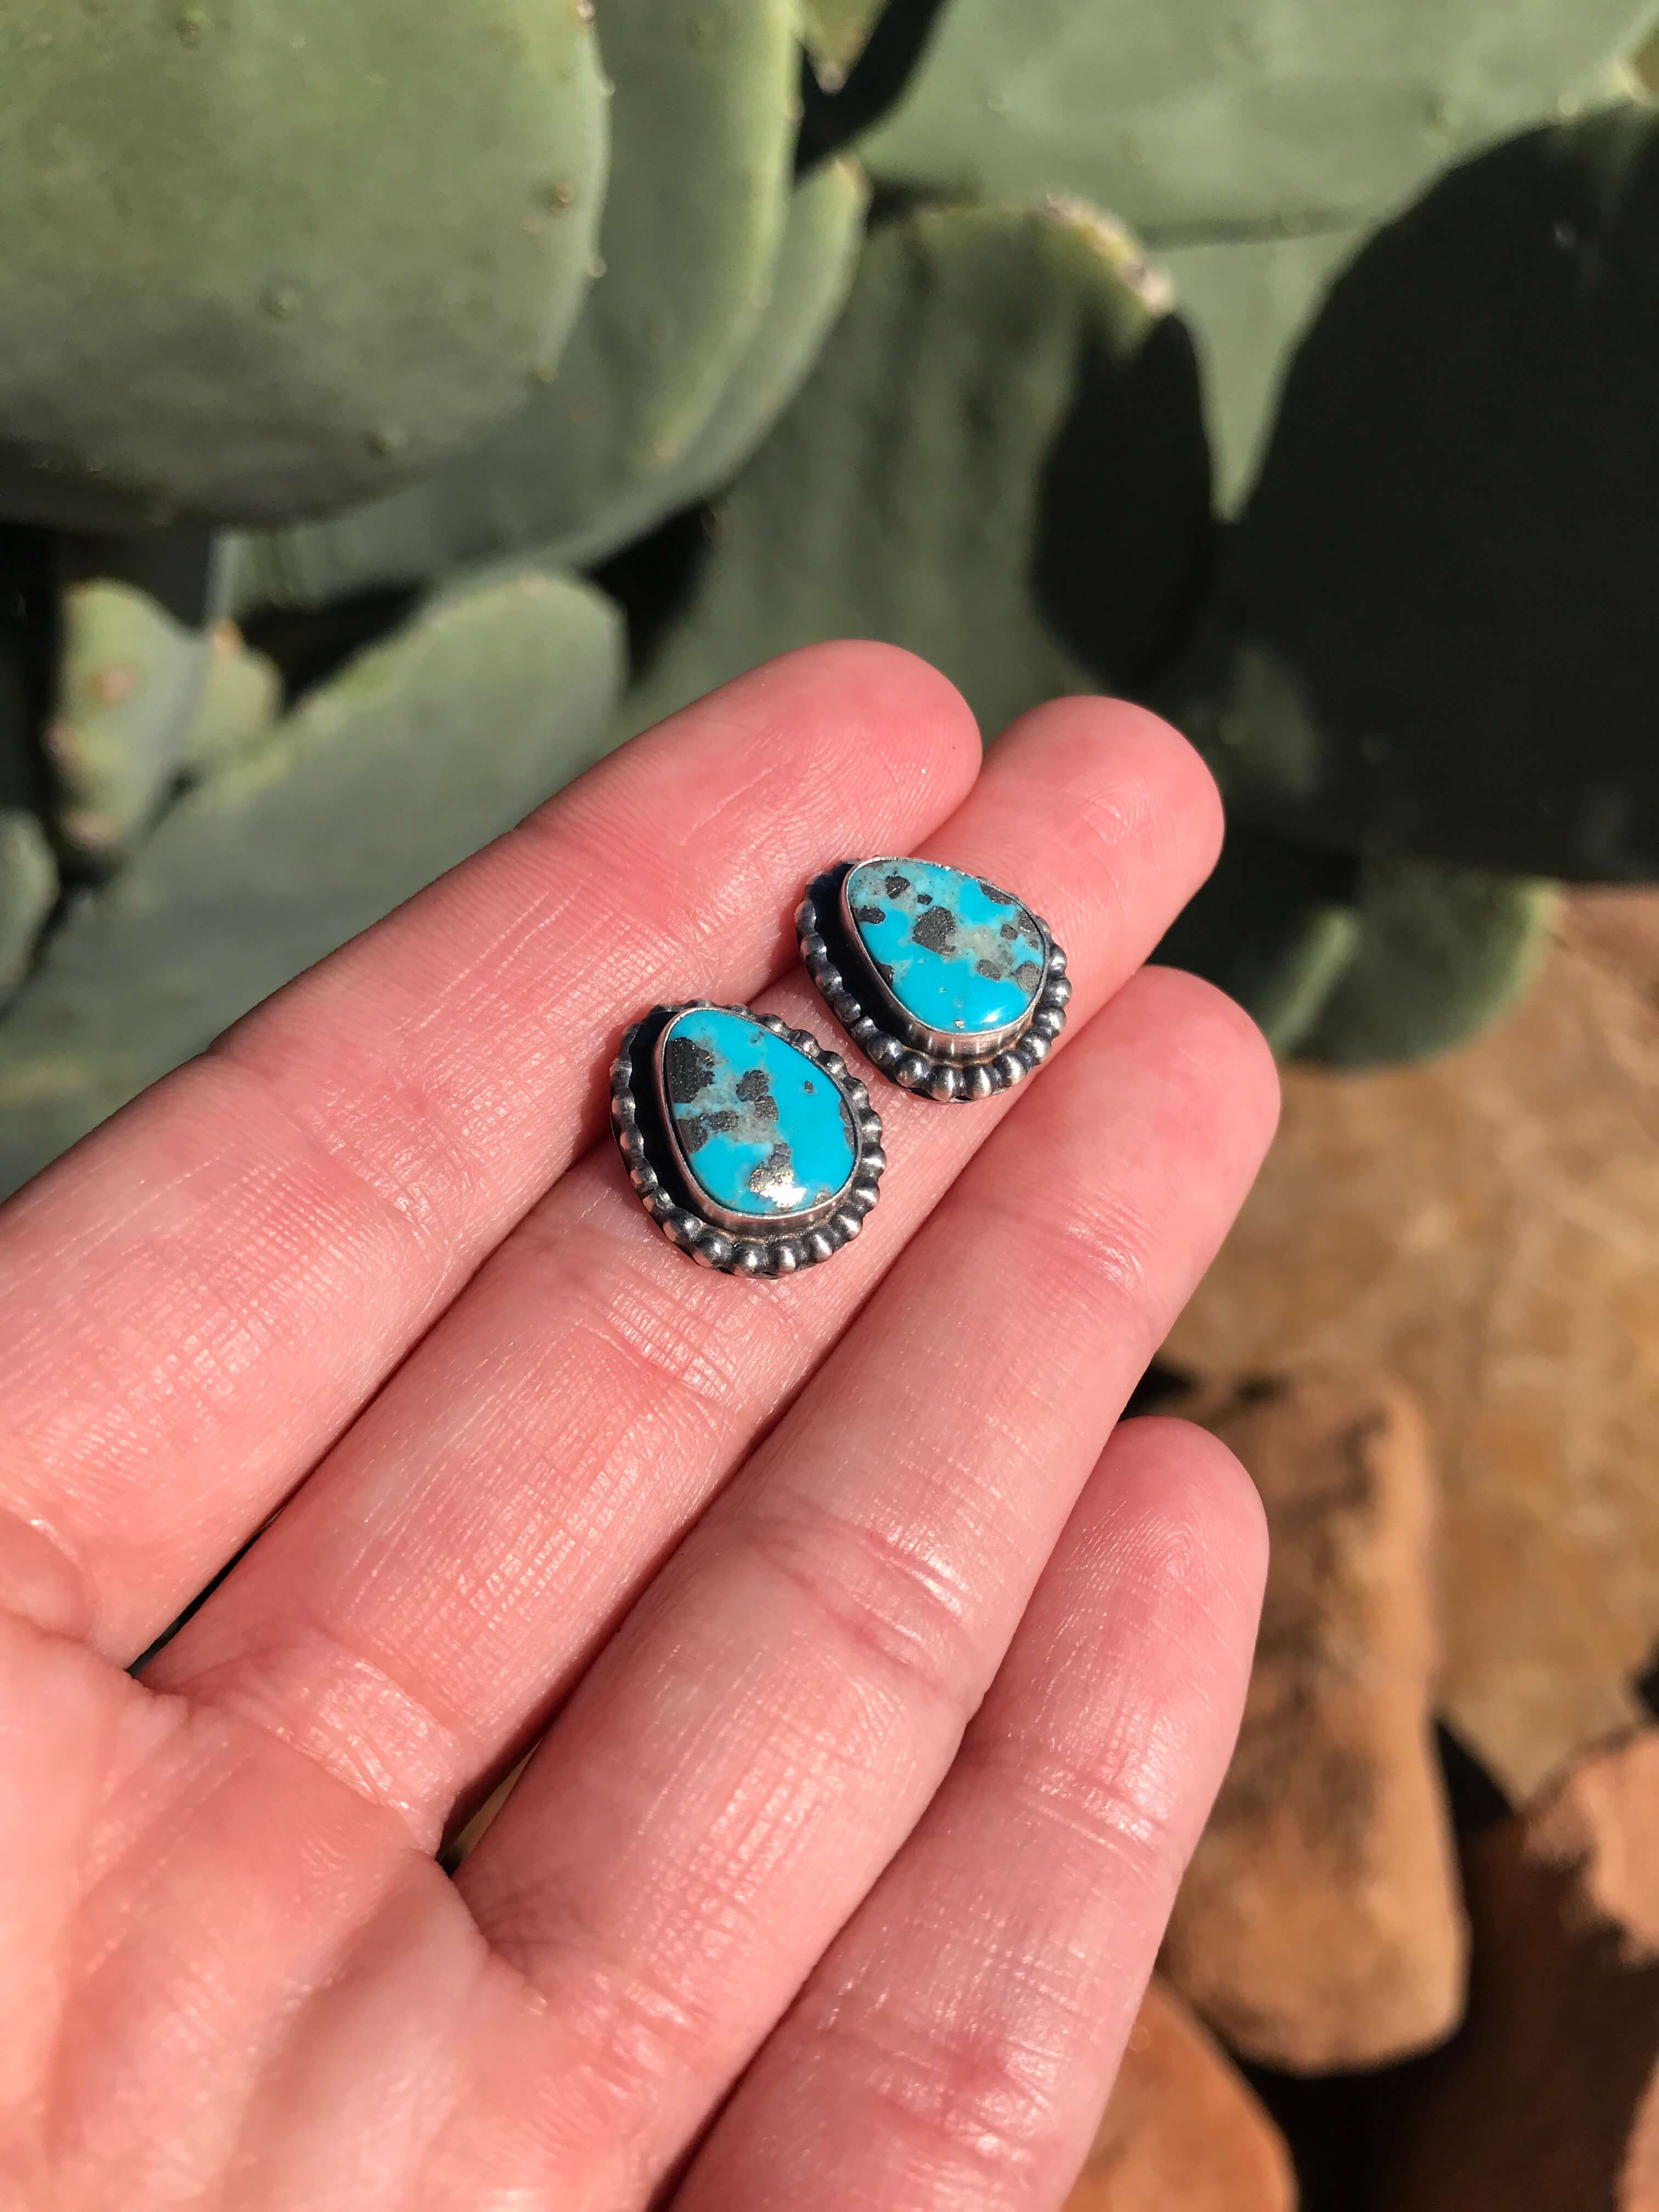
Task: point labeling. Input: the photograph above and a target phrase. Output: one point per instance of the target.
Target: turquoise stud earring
(949, 986)
(749, 1144)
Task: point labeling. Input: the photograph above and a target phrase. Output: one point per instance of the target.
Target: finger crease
(881, 1596)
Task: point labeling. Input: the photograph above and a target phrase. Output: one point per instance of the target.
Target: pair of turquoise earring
(752, 1146)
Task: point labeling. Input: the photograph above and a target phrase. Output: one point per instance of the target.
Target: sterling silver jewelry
(749, 1145)
(949, 985)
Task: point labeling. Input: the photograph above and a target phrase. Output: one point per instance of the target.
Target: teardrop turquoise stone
(956, 954)
(762, 1129)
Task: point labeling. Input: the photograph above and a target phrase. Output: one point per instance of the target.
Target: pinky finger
(956, 2044)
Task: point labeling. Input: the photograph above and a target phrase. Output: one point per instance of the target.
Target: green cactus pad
(240, 700)
(135, 642)
(1206, 119)
(1249, 302)
(266, 257)
(1434, 632)
(701, 124)
(1443, 952)
(810, 282)
(835, 31)
(1274, 928)
(130, 681)
(998, 462)
(28, 892)
(419, 753)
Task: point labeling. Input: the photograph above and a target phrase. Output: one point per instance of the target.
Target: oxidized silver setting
(931, 1062)
(735, 1245)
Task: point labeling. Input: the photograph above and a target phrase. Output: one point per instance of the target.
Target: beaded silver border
(901, 1059)
(664, 1195)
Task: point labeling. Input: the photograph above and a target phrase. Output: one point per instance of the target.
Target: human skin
(881, 1682)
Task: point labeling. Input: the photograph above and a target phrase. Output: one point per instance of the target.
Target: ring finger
(955, 2045)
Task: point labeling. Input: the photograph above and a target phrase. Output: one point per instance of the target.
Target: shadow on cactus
(29, 644)
(1210, 120)
(418, 307)
(999, 463)
(1435, 631)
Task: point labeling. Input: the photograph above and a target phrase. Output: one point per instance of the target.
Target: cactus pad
(265, 257)
(1435, 634)
(134, 648)
(810, 280)
(1247, 301)
(1274, 928)
(835, 31)
(1442, 953)
(240, 700)
(419, 753)
(1205, 118)
(28, 892)
(1002, 386)
(702, 130)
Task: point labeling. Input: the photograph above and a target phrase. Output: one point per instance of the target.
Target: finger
(428, 1598)
(200, 1296)
(744, 1759)
(957, 2046)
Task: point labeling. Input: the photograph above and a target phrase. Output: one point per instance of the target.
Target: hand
(881, 1689)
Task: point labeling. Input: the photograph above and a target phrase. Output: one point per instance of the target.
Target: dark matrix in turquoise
(960, 957)
(764, 1130)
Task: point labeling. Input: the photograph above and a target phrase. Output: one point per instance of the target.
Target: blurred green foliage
(494, 379)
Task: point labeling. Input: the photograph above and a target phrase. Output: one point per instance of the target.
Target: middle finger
(429, 1597)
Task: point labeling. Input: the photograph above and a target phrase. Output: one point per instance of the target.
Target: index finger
(206, 1290)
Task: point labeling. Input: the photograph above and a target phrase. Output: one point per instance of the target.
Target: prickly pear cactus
(135, 642)
(420, 752)
(240, 700)
(1247, 302)
(1442, 953)
(130, 682)
(937, 483)
(1207, 118)
(702, 133)
(1275, 927)
(704, 119)
(264, 257)
(1253, 143)
(836, 31)
(1435, 630)
(1352, 962)
(811, 318)
(810, 282)
(28, 892)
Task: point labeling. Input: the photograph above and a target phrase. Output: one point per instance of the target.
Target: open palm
(879, 1697)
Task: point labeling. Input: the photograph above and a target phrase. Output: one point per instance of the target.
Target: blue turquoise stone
(957, 955)
(762, 1129)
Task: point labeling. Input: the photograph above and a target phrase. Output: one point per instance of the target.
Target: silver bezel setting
(681, 1209)
(951, 1069)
